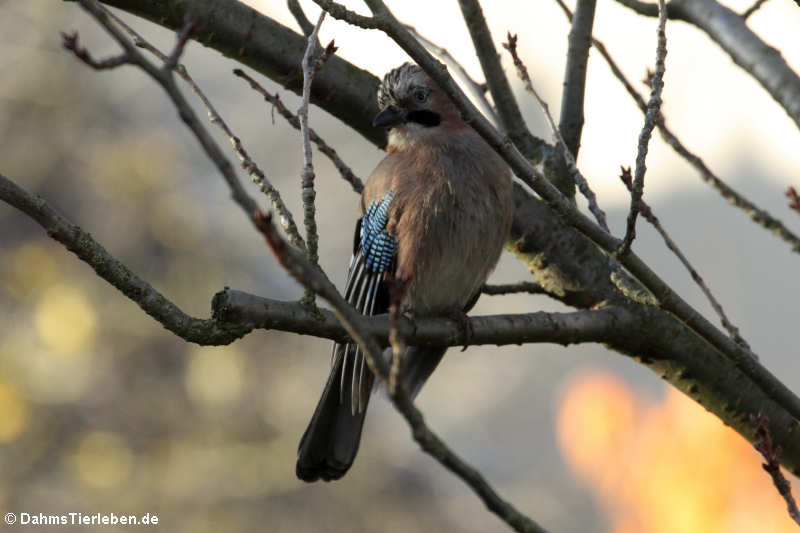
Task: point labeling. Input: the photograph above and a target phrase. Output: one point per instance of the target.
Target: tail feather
(330, 443)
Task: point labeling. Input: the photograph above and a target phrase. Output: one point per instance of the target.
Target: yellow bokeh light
(102, 460)
(30, 267)
(214, 375)
(65, 320)
(15, 413)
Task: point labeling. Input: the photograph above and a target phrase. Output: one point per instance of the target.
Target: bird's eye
(420, 96)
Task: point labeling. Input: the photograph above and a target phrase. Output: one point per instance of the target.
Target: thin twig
(248, 165)
(753, 8)
(528, 287)
(650, 119)
(477, 90)
(165, 79)
(572, 167)
(71, 42)
(772, 455)
(309, 65)
(648, 214)
(347, 174)
(756, 214)
(794, 198)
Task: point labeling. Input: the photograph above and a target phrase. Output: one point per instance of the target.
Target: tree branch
(729, 30)
(571, 122)
(510, 116)
(572, 166)
(650, 118)
(248, 165)
(756, 214)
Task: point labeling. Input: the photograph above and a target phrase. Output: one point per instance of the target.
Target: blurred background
(102, 410)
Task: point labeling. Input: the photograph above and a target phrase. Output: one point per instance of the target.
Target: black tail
(330, 443)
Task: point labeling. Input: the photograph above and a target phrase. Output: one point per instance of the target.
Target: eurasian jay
(435, 214)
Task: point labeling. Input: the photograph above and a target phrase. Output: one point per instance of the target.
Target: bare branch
(347, 174)
(70, 42)
(772, 455)
(648, 214)
(309, 66)
(729, 30)
(511, 120)
(247, 163)
(650, 118)
(164, 78)
(300, 16)
(528, 287)
(478, 90)
(571, 121)
(753, 8)
(758, 215)
(794, 198)
(572, 167)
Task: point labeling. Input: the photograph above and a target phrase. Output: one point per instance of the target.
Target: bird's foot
(467, 331)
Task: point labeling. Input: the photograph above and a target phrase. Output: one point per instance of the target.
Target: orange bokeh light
(664, 467)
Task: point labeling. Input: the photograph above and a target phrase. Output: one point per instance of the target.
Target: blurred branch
(653, 110)
(347, 174)
(648, 214)
(572, 167)
(248, 165)
(772, 455)
(571, 121)
(511, 119)
(758, 215)
(77, 241)
(478, 90)
(729, 30)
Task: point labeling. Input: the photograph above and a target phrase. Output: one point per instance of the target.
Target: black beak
(391, 116)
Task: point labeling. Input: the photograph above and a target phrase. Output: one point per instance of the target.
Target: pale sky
(716, 109)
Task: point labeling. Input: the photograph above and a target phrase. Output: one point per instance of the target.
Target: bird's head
(412, 106)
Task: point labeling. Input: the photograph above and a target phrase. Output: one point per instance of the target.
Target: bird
(435, 214)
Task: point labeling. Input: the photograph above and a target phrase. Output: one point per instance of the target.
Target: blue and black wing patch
(366, 289)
